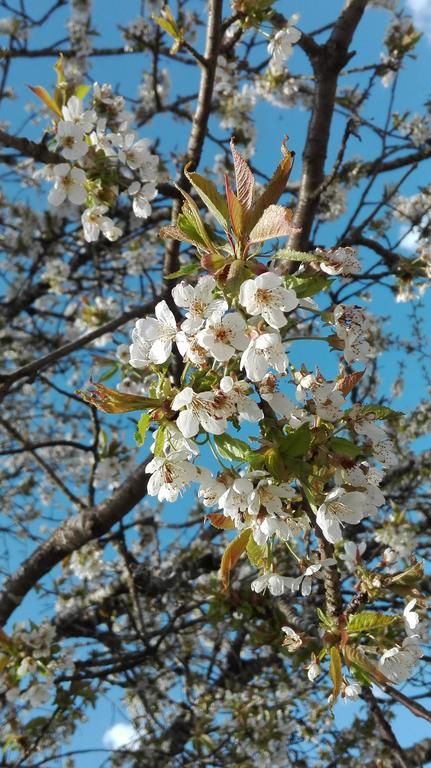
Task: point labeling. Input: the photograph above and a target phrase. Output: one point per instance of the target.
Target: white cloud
(121, 735)
(410, 239)
(421, 12)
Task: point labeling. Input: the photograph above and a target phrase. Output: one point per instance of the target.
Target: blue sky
(271, 127)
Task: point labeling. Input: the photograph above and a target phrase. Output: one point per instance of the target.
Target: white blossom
(68, 184)
(161, 331)
(170, 475)
(313, 671)
(71, 140)
(264, 351)
(94, 221)
(292, 641)
(276, 584)
(411, 618)
(304, 581)
(236, 498)
(238, 400)
(352, 554)
(397, 663)
(199, 302)
(267, 297)
(339, 261)
(223, 336)
(142, 194)
(340, 507)
(73, 112)
(201, 409)
(280, 47)
(351, 691)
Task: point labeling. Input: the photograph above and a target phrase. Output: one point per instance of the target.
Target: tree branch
(70, 536)
(327, 61)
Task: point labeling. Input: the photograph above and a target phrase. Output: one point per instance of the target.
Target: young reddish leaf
(218, 520)
(231, 555)
(275, 222)
(243, 177)
(236, 212)
(112, 401)
(210, 195)
(44, 96)
(273, 189)
(347, 383)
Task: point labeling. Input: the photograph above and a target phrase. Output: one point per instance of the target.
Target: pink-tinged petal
(188, 423)
(160, 351)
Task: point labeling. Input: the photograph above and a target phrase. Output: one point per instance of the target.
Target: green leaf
(188, 227)
(168, 23)
(297, 443)
(335, 670)
(81, 91)
(325, 621)
(344, 447)
(287, 253)
(236, 275)
(232, 554)
(355, 656)
(257, 553)
(185, 233)
(191, 213)
(378, 411)
(369, 620)
(210, 195)
(410, 577)
(159, 442)
(142, 428)
(308, 286)
(186, 269)
(231, 448)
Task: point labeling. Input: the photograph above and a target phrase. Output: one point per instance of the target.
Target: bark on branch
(70, 536)
(327, 61)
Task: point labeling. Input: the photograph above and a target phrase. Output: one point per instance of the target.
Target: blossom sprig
(102, 155)
(310, 473)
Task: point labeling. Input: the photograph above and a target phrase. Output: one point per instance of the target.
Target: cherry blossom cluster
(216, 360)
(103, 156)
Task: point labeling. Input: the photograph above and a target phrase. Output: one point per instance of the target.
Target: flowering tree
(221, 304)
